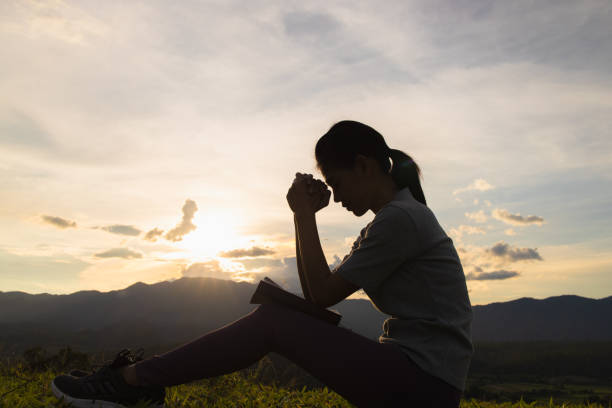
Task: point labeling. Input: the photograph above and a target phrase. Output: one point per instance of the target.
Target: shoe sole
(89, 403)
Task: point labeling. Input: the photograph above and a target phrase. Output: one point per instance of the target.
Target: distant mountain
(141, 315)
(562, 318)
(171, 313)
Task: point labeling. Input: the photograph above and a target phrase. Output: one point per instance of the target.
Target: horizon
(298, 293)
(153, 142)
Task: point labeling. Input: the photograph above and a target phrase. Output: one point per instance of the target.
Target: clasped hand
(307, 194)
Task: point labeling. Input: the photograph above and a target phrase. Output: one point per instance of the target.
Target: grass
(21, 389)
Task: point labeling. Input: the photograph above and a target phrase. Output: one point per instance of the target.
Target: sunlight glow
(216, 231)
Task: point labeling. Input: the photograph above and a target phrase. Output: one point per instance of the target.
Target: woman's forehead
(331, 176)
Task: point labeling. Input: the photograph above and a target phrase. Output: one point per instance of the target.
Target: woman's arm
(300, 267)
(314, 269)
(323, 287)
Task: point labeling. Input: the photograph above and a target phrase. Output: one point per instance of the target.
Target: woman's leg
(363, 371)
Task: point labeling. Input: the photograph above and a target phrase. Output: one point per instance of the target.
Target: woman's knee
(270, 309)
(275, 316)
(272, 306)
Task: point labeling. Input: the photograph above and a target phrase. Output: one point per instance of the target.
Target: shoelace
(127, 357)
(123, 358)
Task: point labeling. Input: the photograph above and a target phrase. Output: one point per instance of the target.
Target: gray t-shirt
(411, 271)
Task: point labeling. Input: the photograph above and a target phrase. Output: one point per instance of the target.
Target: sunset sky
(146, 141)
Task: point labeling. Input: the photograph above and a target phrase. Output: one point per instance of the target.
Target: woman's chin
(358, 213)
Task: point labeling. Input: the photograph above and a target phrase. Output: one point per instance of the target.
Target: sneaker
(79, 373)
(105, 388)
(124, 357)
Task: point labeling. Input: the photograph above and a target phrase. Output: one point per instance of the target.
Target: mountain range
(170, 313)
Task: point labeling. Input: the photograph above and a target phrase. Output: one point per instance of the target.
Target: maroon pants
(365, 372)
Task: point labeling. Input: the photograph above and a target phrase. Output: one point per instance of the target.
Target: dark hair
(338, 148)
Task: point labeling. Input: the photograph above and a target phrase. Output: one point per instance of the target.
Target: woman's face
(348, 190)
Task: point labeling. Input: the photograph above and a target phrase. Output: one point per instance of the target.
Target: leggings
(365, 372)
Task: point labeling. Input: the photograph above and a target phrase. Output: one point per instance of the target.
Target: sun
(215, 232)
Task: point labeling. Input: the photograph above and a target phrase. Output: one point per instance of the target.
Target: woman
(403, 260)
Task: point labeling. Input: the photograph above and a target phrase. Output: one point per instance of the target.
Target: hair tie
(406, 161)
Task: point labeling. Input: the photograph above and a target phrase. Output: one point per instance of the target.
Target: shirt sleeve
(387, 242)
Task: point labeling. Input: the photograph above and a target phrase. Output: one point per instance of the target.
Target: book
(269, 291)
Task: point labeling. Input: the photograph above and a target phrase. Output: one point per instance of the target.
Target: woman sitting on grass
(403, 260)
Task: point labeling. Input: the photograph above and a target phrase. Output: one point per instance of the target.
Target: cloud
(259, 263)
(122, 230)
(153, 234)
(498, 257)
(478, 184)
(58, 222)
(549, 32)
(286, 275)
(466, 229)
(216, 269)
(55, 20)
(505, 251)
(254, 251)
(509, 231)
(478, 216)
(186, 226)
(283, 271)
(211, 269)
(321, 35)
(494, 275)
(337, 261)
(516, 219)
(119, 253)
(310, 26)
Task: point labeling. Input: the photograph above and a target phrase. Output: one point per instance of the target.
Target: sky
(149, 141)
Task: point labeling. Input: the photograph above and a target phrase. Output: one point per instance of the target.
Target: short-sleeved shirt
(409, 268)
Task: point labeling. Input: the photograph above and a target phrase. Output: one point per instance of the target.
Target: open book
(269, 291)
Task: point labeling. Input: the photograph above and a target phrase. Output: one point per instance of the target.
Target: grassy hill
(26, 383)
(232, 390)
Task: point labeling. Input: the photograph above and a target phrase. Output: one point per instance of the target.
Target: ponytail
(406, 173)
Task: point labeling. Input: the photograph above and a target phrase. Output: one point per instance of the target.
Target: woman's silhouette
(403, 260)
